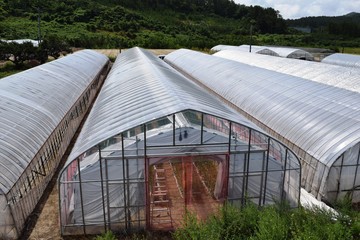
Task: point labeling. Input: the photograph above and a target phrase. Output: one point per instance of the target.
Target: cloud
(303, 8)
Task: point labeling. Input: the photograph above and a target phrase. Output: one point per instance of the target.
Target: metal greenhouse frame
(41, 109)
(155, 144)
(319, 122)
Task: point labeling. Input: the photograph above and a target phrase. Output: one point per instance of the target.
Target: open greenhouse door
(177, 185)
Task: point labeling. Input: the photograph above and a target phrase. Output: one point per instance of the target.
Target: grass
(8, 68)
(270, 222)
(352, 50)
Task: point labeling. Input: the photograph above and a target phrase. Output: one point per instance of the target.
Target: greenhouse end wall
(108, 188)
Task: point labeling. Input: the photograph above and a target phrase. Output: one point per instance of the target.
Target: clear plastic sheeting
(342, 59)
(245, 48)
(224, 47)
(284, 52)
(321, 123)
(155, 144)
(40, 111)
(338, 76)
(33, 103)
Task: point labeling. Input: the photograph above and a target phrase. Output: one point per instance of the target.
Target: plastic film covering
(224, 47)
(320, 119)
(147, 118)
(338, 76)
(137, 99)
(342, 59)
(33, 102)
(245, 48)
(281, 52)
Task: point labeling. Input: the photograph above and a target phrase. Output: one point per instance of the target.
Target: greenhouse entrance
(181, 184)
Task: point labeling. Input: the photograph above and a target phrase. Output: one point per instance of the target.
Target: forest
(196, 24)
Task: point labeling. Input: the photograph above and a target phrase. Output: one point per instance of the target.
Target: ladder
(160, 202)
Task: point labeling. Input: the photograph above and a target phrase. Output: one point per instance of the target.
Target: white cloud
(303, 8)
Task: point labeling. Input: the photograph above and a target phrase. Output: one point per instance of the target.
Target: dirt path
(47, 226)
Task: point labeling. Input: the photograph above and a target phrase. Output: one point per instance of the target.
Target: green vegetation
(271, 222)
(199, 24)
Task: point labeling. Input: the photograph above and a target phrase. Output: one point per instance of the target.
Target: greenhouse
(41, 109)
(342, 59)
(223, 47)
(338, 76)
(319, 122)
(284, 52)
(156, 144)
(245, 48)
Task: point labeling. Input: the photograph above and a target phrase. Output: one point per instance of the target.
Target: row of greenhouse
(235, 125)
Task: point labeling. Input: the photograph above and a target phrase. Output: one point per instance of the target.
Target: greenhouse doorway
(185, 184)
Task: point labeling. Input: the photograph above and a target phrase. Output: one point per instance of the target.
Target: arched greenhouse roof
(257, 49)
(285, 52)
(140, 88)
(34, 102)
(338, 76)
(323, 120)
(223, 47)
(342, 59)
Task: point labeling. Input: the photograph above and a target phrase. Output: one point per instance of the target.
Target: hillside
(146, 23)
(196, 24)
(347, 25)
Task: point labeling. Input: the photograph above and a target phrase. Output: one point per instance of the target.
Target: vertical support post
(266, 169)
(283, 185)
(261, 179)
(81, 197)
(107, 194)
(227, 160)
(202, 129)
(356, 170)
(124, 182)
(246, 169)
(147, 190)
(341, 167)
(174, 129)
(102, 187)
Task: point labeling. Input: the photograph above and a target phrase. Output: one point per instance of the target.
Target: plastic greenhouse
(155, 144)
(284, 52)
(338, 76)
(245, 48)
(342, 59)
(41, 109)
(223, 47)
(319, 122)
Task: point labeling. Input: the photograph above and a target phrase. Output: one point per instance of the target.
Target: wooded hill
(347, 25)
(155, 24)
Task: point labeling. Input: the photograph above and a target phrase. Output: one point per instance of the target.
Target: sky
(293, 9)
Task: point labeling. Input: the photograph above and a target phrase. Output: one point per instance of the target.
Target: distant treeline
(197, 24)
(347, 25)
(267, 20)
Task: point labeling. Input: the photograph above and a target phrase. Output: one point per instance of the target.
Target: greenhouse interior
(41, 109)
(156, 144)
(319, 122)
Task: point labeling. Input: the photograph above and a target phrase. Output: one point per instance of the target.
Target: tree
(17, 53)
(54, 46)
